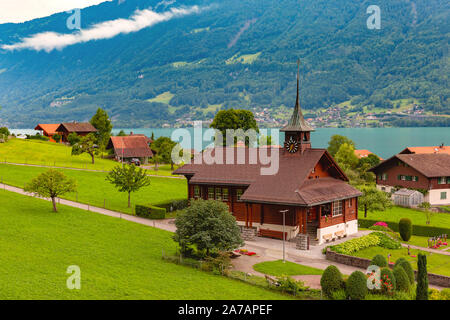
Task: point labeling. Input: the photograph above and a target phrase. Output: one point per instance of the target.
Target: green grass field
(417, 217)
(93, 189)
(118, 259)
(44, 153)
(436, 263)
(278, 268)
(49, 154)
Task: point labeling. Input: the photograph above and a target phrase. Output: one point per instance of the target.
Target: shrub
(221, 263)
(387, 242)
(331, 281)
(422, 278)
(399, 261)
(379, 260)
(350, 246)
(387, 281)
(408, 269)
(445, 294)
(401, 279)
(173, 205)
(405, 228)
(339, 295)
(356, 286)
(150, 212)
(289, 285)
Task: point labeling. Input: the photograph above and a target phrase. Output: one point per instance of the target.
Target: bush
(173, 205)
(387, 242)
(370, 240)
(401, 279)
(339, 295)
(289, 285)
(356, 286)
(150, 212)
(399, 261)
(418, 230)
(387, 281)
(331, 281)
(422, 278)
(221, 263)
(379, 260)
(405, 228)
(445, 294)
(408, 269)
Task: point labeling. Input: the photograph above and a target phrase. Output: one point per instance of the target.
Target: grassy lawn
(417, 217)
(118, 259)
(278, 268)
(93, 189)
(436, 263)
(49, 154)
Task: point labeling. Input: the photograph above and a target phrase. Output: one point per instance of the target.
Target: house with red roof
(48, 130)
(362, 153)
(308, 200)
(129, 147)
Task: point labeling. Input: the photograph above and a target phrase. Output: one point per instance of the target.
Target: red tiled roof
(135, 146)
(362, 153)
(424, 150)
(290, 185)
(50, 129)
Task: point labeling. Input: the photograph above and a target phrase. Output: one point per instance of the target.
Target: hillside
(230, 53)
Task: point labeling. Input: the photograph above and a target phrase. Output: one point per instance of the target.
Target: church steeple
(297, 131)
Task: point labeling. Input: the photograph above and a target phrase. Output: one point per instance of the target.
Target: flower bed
(245, 252)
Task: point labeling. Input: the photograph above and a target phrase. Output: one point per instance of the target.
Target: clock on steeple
(297, 131)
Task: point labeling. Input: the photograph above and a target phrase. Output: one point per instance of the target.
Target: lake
(385, 142)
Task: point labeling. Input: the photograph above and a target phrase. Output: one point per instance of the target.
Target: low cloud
(141, 19)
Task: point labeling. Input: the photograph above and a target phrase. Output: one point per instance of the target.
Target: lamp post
(284, 234)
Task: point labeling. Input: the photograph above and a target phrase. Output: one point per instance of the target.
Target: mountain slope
(231, 54)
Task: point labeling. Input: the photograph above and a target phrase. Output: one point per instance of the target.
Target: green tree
(331, 281)
(374, 200)
(4, 134)
(51, 184)
(346, 157)
(356, 286)
(121, 133)
(265, 140)
(163, 147)
(207, 225)
(405, 228)
(426, 206)
(336, 142)
(234, 119)
(128, 178)
(422, 278)
(103, 125)
(73, 138)
(371, 160)
(87, 144)
(57, 137)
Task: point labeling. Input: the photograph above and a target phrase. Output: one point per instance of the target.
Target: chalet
(80, 128)
(48, 130)
(129, 147)
(428, 172)
(308, 198)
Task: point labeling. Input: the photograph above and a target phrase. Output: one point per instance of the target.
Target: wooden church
(309, 191)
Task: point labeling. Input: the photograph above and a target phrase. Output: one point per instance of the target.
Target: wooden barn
(308, 189)
(80, 128)
(129, 147)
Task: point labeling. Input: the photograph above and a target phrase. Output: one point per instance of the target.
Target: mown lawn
(436, 263)
(417, 217)
(46, 153)
(278, 268)
(118, 259)
(93, 189)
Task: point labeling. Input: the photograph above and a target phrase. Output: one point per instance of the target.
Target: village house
(80, 128)
(48, 130)
(130, 147)
(362, 153)
(434, 149)
(308, 197)
(427, 172)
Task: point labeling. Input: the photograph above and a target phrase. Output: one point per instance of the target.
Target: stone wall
(435, 279)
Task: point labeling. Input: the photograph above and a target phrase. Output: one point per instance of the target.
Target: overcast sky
(24, 10)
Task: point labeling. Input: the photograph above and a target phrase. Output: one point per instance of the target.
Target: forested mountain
(229, 53)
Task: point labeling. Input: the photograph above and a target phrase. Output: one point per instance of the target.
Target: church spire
(297, 121)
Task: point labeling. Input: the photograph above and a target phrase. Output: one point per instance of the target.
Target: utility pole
(284, 234)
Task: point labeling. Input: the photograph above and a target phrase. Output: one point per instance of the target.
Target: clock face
(292, 145)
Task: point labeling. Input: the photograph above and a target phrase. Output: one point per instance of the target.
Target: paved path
(266, 249)
(427, 249)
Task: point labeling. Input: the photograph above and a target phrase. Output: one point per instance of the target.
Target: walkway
(444, 252)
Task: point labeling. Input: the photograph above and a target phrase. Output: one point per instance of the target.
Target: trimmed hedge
(405, 228)
(379, 260)
(408, 269)
(356, 286)
(150, 212)
(418, 230)
(173, 205)
(331, 281)
(401, 279)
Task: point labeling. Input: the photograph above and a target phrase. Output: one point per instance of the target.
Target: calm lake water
(385, 142)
